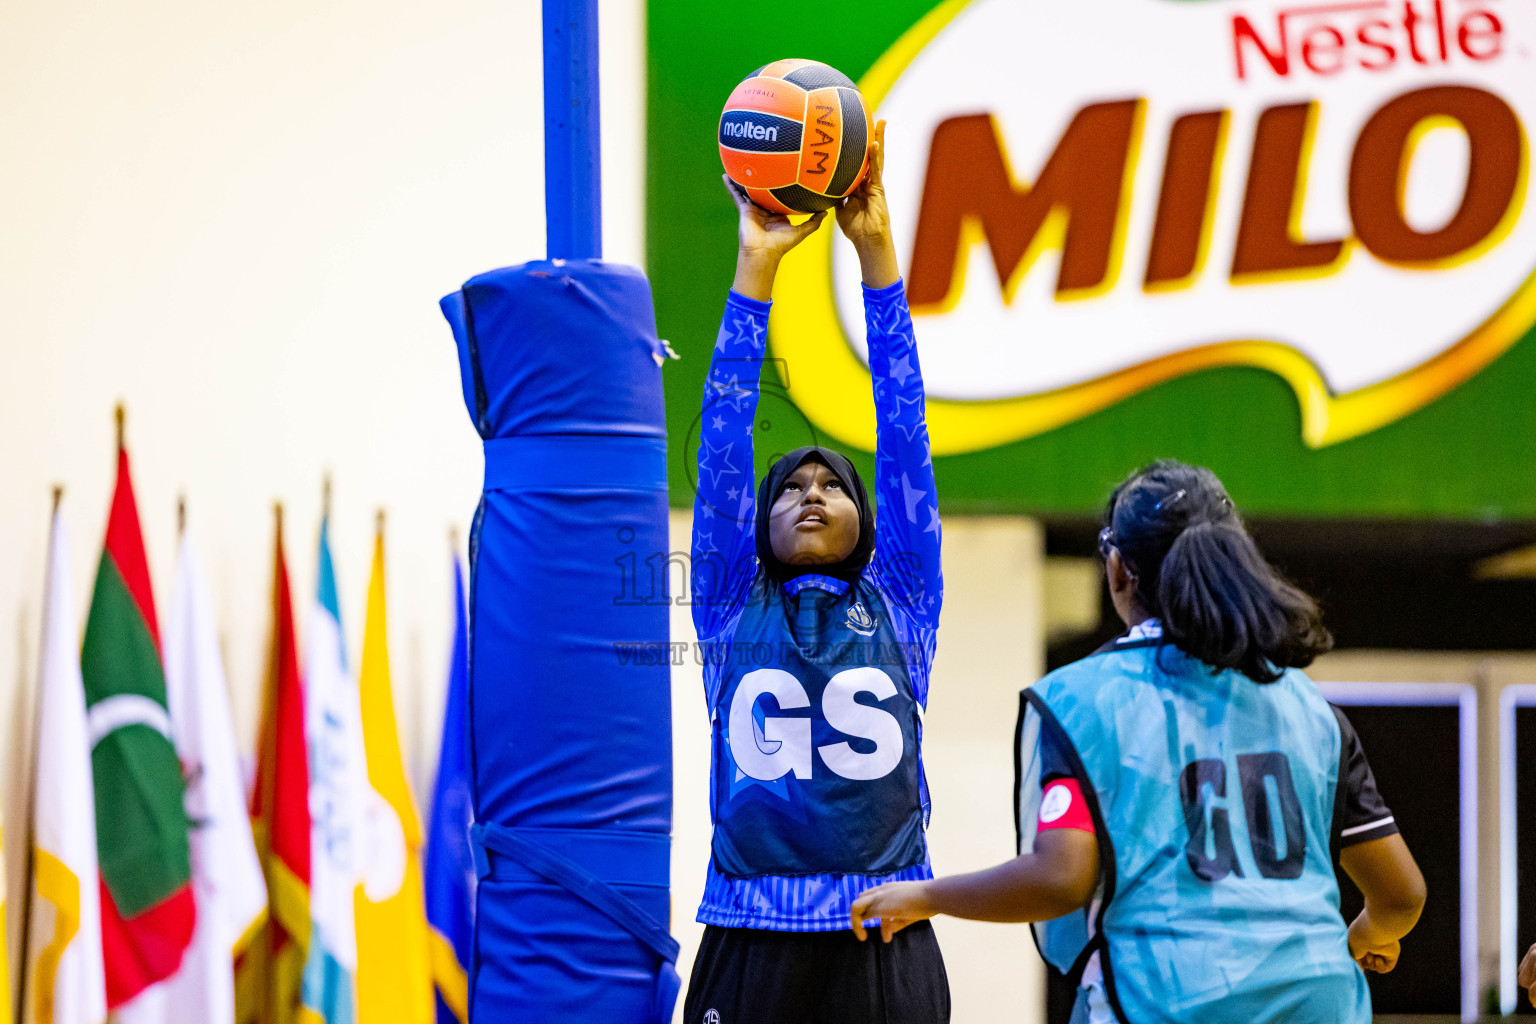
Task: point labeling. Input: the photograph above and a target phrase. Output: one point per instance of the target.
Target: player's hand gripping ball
(795, 135)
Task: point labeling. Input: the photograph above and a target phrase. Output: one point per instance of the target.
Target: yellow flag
(394, 973)
(5, 960)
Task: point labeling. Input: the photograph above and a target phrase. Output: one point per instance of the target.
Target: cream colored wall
(1489, 673)
(991, 645)
(238, 218)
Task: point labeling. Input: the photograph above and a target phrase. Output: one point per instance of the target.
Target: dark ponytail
(1202, 576)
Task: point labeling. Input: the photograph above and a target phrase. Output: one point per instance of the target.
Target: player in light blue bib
(1181, 793)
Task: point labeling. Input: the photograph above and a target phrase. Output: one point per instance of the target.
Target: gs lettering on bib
(816, 766)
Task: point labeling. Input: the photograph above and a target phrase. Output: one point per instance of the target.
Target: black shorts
(752, 976)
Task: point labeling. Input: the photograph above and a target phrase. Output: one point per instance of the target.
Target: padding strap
(519, 846)
(575, 462)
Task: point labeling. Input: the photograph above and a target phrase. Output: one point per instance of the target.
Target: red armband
(1062, 806)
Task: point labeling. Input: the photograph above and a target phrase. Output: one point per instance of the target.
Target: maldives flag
(147, 910)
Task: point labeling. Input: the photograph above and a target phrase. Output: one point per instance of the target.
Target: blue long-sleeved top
(905, 567)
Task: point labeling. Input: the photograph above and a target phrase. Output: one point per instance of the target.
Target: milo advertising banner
(1292, 241)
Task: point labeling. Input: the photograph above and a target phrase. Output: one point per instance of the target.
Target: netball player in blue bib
(817, 620)
(1183, 793)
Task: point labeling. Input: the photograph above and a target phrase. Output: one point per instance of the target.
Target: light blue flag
(338, 793)
(450, 880)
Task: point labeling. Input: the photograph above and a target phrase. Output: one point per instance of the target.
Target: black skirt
(754, 976)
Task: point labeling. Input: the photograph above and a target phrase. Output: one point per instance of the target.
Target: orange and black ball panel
(795, 134)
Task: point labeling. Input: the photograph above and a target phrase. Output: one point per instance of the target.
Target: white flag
(226, 874)
(66, 980)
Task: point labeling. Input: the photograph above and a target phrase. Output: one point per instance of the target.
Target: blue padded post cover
(570, 715)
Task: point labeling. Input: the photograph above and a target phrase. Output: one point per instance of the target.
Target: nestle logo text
(1369, 35)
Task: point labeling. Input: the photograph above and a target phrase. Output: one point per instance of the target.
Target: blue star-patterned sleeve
(723, 516)
(907, 531)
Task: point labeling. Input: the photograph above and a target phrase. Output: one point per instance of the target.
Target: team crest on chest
(859, 620)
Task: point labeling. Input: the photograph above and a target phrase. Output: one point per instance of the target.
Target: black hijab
(768, 490)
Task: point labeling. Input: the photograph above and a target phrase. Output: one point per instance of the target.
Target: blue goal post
(573, 187)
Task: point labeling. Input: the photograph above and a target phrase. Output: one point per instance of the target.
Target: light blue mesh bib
(1213, 798)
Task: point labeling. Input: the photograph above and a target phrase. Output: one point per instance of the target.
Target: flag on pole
(450, 864)
(147, 906)
(338, 788)
(271, 969)
(5, 960)
(65, 978)
(226, 875)
(394, 977)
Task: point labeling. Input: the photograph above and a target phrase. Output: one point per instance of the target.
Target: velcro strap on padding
(575, 462)
(611, 850)
(522, 846)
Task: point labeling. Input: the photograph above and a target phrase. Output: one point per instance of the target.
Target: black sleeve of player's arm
(1359, 813)
(1053, 759)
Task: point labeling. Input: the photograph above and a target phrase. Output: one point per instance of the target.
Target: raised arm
(723, 513)
(907, 531)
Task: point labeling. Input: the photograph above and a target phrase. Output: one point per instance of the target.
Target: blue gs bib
(816, 733)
